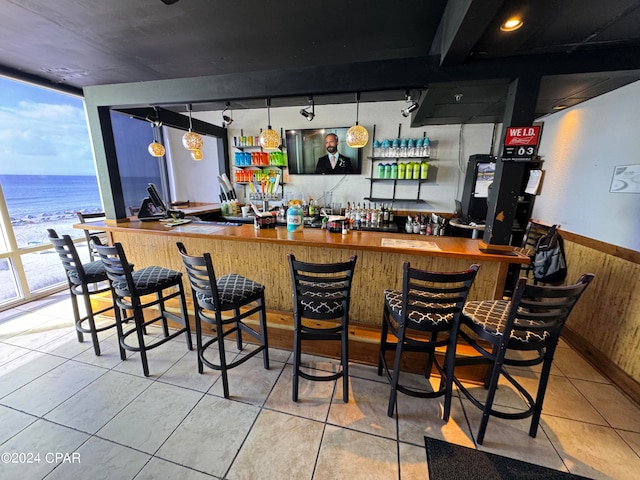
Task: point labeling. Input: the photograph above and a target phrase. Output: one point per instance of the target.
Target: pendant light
(196, 154)
(357, 136)
(269, 138)
(191, 140)
(155, 148)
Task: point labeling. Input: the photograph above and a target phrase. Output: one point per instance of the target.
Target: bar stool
(429, 303)
(85, 280)
(128, 288)
(321, 292)
(531, 321)
(212, 297)
(101, 234)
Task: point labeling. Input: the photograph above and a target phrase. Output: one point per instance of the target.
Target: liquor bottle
(385, 216)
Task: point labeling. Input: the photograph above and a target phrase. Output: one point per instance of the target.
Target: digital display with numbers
(521, 143)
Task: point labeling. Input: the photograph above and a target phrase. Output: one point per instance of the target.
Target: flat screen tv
(306, 146)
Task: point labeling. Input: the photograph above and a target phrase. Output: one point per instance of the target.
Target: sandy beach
(42, 268)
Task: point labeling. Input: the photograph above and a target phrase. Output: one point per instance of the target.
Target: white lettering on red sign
(517, 136)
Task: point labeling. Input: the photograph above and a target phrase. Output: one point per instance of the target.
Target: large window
(47, 174)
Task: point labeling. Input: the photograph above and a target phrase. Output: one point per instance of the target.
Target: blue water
(37, 198)
(33, 195)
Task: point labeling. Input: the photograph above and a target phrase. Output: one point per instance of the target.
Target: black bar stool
(531, 321)
(85, 280)
(429, 303)
(128, 288)
(321, 292)
(212, 297)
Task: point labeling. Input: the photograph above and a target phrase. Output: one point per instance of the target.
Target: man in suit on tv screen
(333, 162)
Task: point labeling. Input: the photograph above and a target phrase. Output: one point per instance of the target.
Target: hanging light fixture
(357, 136)
(269, 138)
(156, 149)
(226, 119)
(191, 140)
(196, 154)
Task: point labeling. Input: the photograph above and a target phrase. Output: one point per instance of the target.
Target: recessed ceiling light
(559, 107)
(511, 25)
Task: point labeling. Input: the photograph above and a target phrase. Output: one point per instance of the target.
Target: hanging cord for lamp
(156, 149)
(191, 140)
(357, 136)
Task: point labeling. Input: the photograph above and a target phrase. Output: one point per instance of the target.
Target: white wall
(451, 146)
(192, 180)
(580, 147)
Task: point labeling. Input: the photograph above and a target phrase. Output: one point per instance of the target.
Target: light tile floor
(65, 413)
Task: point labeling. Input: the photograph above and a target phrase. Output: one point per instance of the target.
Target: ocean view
(31, 198)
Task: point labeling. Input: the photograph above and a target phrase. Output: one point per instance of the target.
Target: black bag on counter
(549, 264)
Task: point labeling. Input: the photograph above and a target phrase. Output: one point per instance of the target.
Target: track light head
(309, 115)
(407, 111)
(226, 119)
(306, 114)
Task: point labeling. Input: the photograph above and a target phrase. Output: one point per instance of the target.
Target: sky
(42, 131)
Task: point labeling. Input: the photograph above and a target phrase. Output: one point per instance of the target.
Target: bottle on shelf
(402, 167)
(416, 170)
(426, 147)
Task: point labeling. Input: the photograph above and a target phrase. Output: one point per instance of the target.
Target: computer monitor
(153, 207)
(156, 199)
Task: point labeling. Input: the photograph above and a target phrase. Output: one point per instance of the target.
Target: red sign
(520, 143)
(522, 136)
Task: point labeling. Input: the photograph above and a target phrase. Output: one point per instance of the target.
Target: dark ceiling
(451, 55)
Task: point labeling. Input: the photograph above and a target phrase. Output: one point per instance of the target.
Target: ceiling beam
(461, 26)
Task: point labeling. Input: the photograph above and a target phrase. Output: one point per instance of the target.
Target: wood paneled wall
(267, 263)
(605, 324)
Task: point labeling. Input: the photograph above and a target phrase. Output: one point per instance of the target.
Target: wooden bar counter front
(260, 254)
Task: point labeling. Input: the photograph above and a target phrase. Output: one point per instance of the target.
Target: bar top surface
(354, 240)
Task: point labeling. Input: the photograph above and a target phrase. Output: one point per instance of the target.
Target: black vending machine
(479, 177)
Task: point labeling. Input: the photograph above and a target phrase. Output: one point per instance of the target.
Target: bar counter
(261, 254)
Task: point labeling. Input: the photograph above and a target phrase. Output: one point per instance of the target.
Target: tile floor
(65, 413)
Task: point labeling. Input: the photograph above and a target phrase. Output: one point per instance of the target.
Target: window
(47, 174)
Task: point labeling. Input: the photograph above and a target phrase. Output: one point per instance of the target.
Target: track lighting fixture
(226, 119)
(411, 105)
(309, 115)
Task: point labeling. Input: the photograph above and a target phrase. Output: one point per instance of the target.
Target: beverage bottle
(376, 148)
(424, 170)
(394, 170)
(312, 208)
(381, 170)
(416, 170)
(385, 216)
(411, 148)
(395, 147)
(391, 218)
(403, 148)
(426, 147)
(294, 216)
(387, 170)
(401, 170)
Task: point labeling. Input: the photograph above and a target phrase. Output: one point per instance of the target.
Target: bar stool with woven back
(520, 332)
(212, 297)
(149, 288)
(321, 294)
(89, 218)
(429, 304)
(85, 280)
